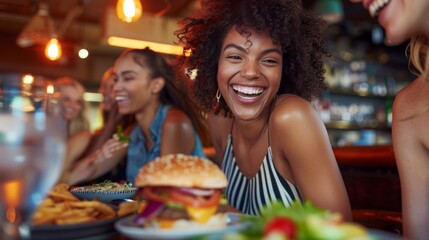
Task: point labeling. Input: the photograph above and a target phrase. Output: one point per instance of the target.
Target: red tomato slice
(282, 225)
(158, 194)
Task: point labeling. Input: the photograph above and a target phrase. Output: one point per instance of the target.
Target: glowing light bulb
(53, 49)
(129, 10)
(28, 79)
(83, 53)
(50, 89)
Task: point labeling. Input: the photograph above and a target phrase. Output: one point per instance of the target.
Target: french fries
(62, 207)
(126, 208)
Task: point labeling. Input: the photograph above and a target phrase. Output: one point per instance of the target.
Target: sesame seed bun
(179, 170)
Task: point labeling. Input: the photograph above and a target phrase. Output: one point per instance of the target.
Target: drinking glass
(32, 147)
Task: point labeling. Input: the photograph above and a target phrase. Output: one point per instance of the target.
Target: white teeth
(120, 98)
(248, 90)
(376, 7)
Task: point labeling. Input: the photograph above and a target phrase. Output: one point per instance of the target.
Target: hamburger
(181, 191)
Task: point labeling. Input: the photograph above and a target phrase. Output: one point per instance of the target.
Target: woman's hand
(111, 146)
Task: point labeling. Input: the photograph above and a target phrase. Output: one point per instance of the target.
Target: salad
(121, 135)
(300, 221)
(106, 186)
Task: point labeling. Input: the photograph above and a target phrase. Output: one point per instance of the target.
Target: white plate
(126, 227)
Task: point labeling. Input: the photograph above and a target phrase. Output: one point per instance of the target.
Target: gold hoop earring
(218, 95)
(216, 106)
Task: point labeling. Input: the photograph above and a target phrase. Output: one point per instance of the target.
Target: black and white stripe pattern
(249, 195)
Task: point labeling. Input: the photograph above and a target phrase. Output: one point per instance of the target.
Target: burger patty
(174, 213)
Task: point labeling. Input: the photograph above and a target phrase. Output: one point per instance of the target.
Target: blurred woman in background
(403, 20)
(81, 171)
(75, 114)
(112, 119)
(167, 121)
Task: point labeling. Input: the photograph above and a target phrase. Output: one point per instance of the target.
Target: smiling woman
(260, 63)
(403, 20)
(74, 112)
(167, 121)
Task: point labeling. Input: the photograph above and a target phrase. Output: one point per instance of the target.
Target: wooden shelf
(346, 125)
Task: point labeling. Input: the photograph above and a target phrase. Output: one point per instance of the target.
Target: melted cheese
(201, 214)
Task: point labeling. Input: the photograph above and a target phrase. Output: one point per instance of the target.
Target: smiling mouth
(247, 91)
(376, 6)
(120, 98)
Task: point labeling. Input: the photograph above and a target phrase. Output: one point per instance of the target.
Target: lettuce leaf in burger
(182, 191)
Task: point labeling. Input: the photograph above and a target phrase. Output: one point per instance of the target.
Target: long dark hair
(173, 92)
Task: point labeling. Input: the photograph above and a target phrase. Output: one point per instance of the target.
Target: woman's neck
(145, 117)
(250, 131)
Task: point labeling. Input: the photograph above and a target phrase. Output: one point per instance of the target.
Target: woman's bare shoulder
(84, 135)
(291, 108)
(177, 119)
(412, 100)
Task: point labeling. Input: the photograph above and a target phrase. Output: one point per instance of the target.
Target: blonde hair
(418, 50)
(81, 123)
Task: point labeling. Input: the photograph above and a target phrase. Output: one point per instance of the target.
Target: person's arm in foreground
(411, 144)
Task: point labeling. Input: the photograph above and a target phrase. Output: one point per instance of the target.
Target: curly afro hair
(297, 31)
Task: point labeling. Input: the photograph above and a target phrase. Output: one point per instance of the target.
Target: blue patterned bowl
(103, 196)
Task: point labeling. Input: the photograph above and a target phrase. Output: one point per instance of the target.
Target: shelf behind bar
(347, 125)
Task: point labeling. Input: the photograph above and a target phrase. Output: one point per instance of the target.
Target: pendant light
(129, 10)
(53, 50)
(39, 29)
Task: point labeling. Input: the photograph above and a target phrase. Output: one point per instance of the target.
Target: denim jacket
(137, 153)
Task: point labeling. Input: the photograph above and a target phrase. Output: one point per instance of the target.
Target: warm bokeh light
(50, 89)
(83, 53)
(28, 79)
(139, 44)
(53, 49)
(12, 193)
(129, 10)
(11, 214)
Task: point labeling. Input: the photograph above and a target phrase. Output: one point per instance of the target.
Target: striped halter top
(249, 195)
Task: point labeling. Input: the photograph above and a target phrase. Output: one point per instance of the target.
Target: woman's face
(133, 86)
(400, 18)
(249, 73)
(106, 88)
(71, 101)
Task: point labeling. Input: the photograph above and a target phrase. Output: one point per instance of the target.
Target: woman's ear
(157, 84)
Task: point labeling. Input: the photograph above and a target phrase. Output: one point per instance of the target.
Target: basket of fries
(61, 215)
(104, 192)
(61, 208)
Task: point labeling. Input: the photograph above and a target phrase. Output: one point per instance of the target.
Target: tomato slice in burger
(194, 200)
(157, 194)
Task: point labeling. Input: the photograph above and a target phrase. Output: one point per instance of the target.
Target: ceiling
(15, 14)
(89, 25)
(93, 9)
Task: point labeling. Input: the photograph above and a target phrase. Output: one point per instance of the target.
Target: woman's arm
(99, 162)
(177, 133)
(411, 145)
(304, 145)
(75, 146)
